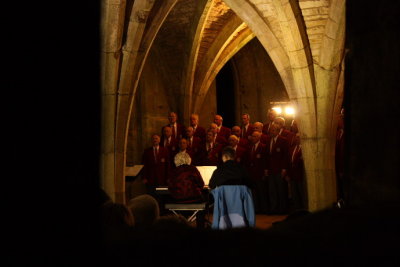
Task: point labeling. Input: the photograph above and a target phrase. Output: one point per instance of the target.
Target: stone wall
(151, 107)
(209, 108)
(257, 82)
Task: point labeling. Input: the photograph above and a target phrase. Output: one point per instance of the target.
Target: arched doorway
(226, 95)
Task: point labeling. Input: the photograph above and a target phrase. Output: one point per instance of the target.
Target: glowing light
(277, 109)
(289, 111)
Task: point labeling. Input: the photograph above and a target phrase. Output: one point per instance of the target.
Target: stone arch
(263, 32)
(188, 74)
(117, 104)
(236, 34)
(309, 89)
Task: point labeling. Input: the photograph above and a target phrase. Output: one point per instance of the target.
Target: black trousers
(259, 190)
(278, 194)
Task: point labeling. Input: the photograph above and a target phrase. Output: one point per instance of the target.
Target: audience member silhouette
(116, 221)
(145, 210)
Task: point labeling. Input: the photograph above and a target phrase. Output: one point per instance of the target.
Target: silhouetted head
(145, 210)
(228, 153)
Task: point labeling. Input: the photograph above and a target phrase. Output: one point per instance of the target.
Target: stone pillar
(112, 24)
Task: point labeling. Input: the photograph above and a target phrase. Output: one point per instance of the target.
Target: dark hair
(229, 152)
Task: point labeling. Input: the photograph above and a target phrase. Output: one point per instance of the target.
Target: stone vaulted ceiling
(316, 15)
(171, 39)
(218, 16)
(174, 37)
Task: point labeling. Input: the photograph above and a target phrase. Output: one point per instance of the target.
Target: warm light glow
(289, 111)
(277, 109)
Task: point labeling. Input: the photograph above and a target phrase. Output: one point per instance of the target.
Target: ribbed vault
(194, 39)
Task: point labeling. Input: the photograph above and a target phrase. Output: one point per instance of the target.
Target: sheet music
(206, 172)
(133, 171)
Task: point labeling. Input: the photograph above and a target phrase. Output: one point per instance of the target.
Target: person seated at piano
(186, 185)
(185, 182)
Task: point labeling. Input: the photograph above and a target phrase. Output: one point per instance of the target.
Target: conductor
(230, 172)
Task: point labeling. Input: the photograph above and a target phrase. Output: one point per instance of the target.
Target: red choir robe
(200, 132)
(244, 142)
(194, 147)
(156, 167)
(289, 136)
(266, 127)
(249, 131)
(278, 157)
(256, 161)
(172, 148)
(224, 132)
(211, 157)
(240, 155)
(177, 132)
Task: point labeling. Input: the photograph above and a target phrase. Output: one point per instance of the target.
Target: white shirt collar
(256, 145)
